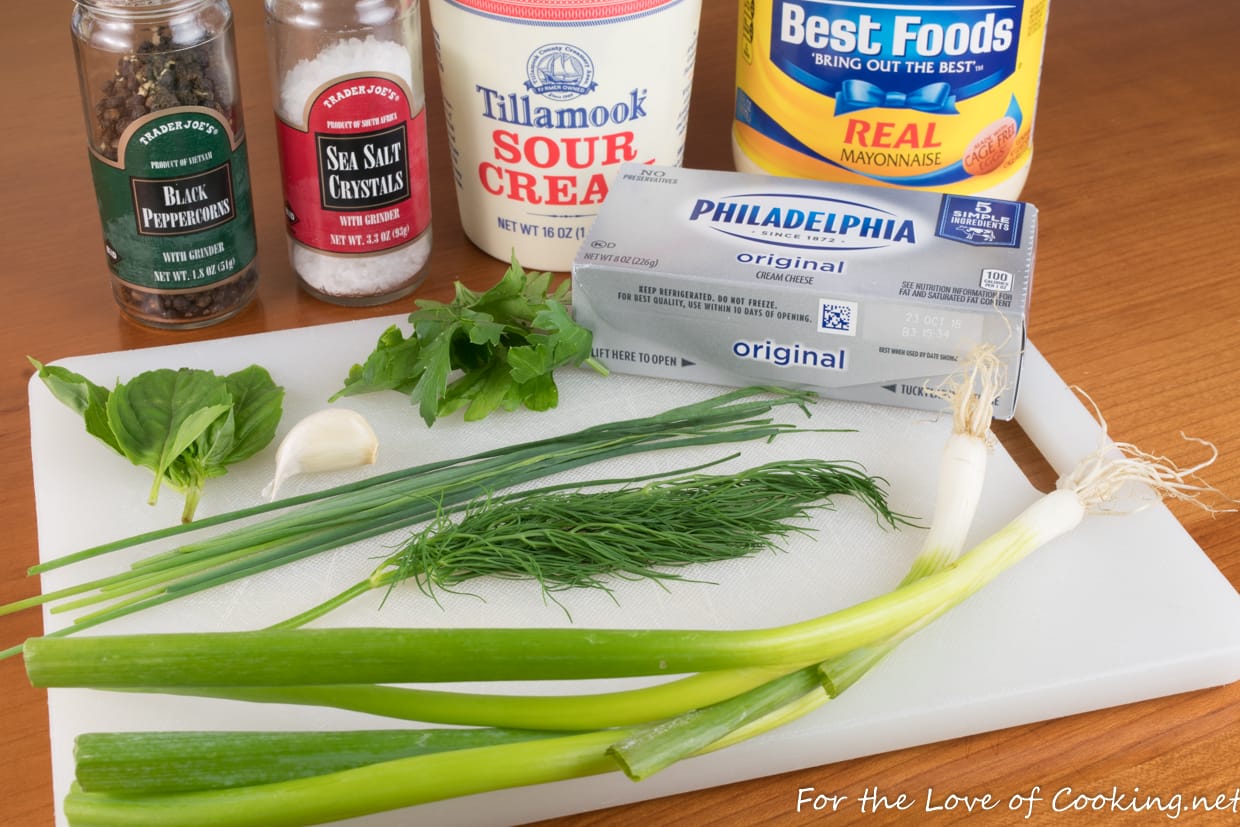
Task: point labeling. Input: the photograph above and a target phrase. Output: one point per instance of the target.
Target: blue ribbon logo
(855, 95)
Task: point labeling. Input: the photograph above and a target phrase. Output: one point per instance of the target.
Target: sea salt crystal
(365, 275)
(345, 57)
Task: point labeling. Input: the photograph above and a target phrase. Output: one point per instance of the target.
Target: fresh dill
(570, 539)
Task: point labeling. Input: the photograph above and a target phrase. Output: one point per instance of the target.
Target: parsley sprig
(481, 351)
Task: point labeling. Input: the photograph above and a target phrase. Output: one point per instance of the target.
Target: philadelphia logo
(803, 221)
(559, 71)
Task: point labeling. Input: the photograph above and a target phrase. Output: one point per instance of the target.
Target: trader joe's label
(175, 205)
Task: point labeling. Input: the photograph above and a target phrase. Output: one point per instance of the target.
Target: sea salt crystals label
(351, 134)
(544, 99)
(356, 175)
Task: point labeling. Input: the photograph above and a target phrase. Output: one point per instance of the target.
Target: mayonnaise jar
(925, 95)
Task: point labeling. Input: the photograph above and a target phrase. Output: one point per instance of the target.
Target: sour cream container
(544, 99)
(919, 94)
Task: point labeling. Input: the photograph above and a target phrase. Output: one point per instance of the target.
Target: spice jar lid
(147, 7)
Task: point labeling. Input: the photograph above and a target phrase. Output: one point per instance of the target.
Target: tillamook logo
(520, 110)
(538, 165)
(804, 221)
(559, 71)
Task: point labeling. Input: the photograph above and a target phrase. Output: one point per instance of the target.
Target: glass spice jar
(351, 132)
(168, 157)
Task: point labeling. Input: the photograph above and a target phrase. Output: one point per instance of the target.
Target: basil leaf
(208, 455)
(185, 425)
(258, 404)
(83, 396)
(157, 414)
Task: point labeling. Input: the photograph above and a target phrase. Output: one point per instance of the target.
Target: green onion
(393, 655)
(573, 538)
(656, 746)
(574, 711)
(1099, 481)
(962, 470)
(350, 793)
(275, 657)
(166, 762)
(300, 657)
(388, 785)
(396, 655)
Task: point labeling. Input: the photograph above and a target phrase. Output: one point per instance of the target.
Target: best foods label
(928, 95)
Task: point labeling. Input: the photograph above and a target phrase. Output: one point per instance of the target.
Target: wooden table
(1136, 299)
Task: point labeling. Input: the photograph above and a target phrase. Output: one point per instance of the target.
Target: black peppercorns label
(175, 204)
(184, 205)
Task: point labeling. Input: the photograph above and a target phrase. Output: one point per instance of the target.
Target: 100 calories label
(545, 99)
(928, 95)
(355, 176)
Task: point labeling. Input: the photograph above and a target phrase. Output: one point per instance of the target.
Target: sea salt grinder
(351, 133)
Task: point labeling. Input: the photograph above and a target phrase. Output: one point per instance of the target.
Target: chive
(730, 416)
(349, 513)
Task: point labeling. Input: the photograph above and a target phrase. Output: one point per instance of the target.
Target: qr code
(836, 316)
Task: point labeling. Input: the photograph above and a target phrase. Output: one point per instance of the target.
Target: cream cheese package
(858, 293)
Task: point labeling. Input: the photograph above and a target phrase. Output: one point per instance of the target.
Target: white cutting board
(1124, 609)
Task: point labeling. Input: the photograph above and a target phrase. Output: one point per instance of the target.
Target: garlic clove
(332, 439)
